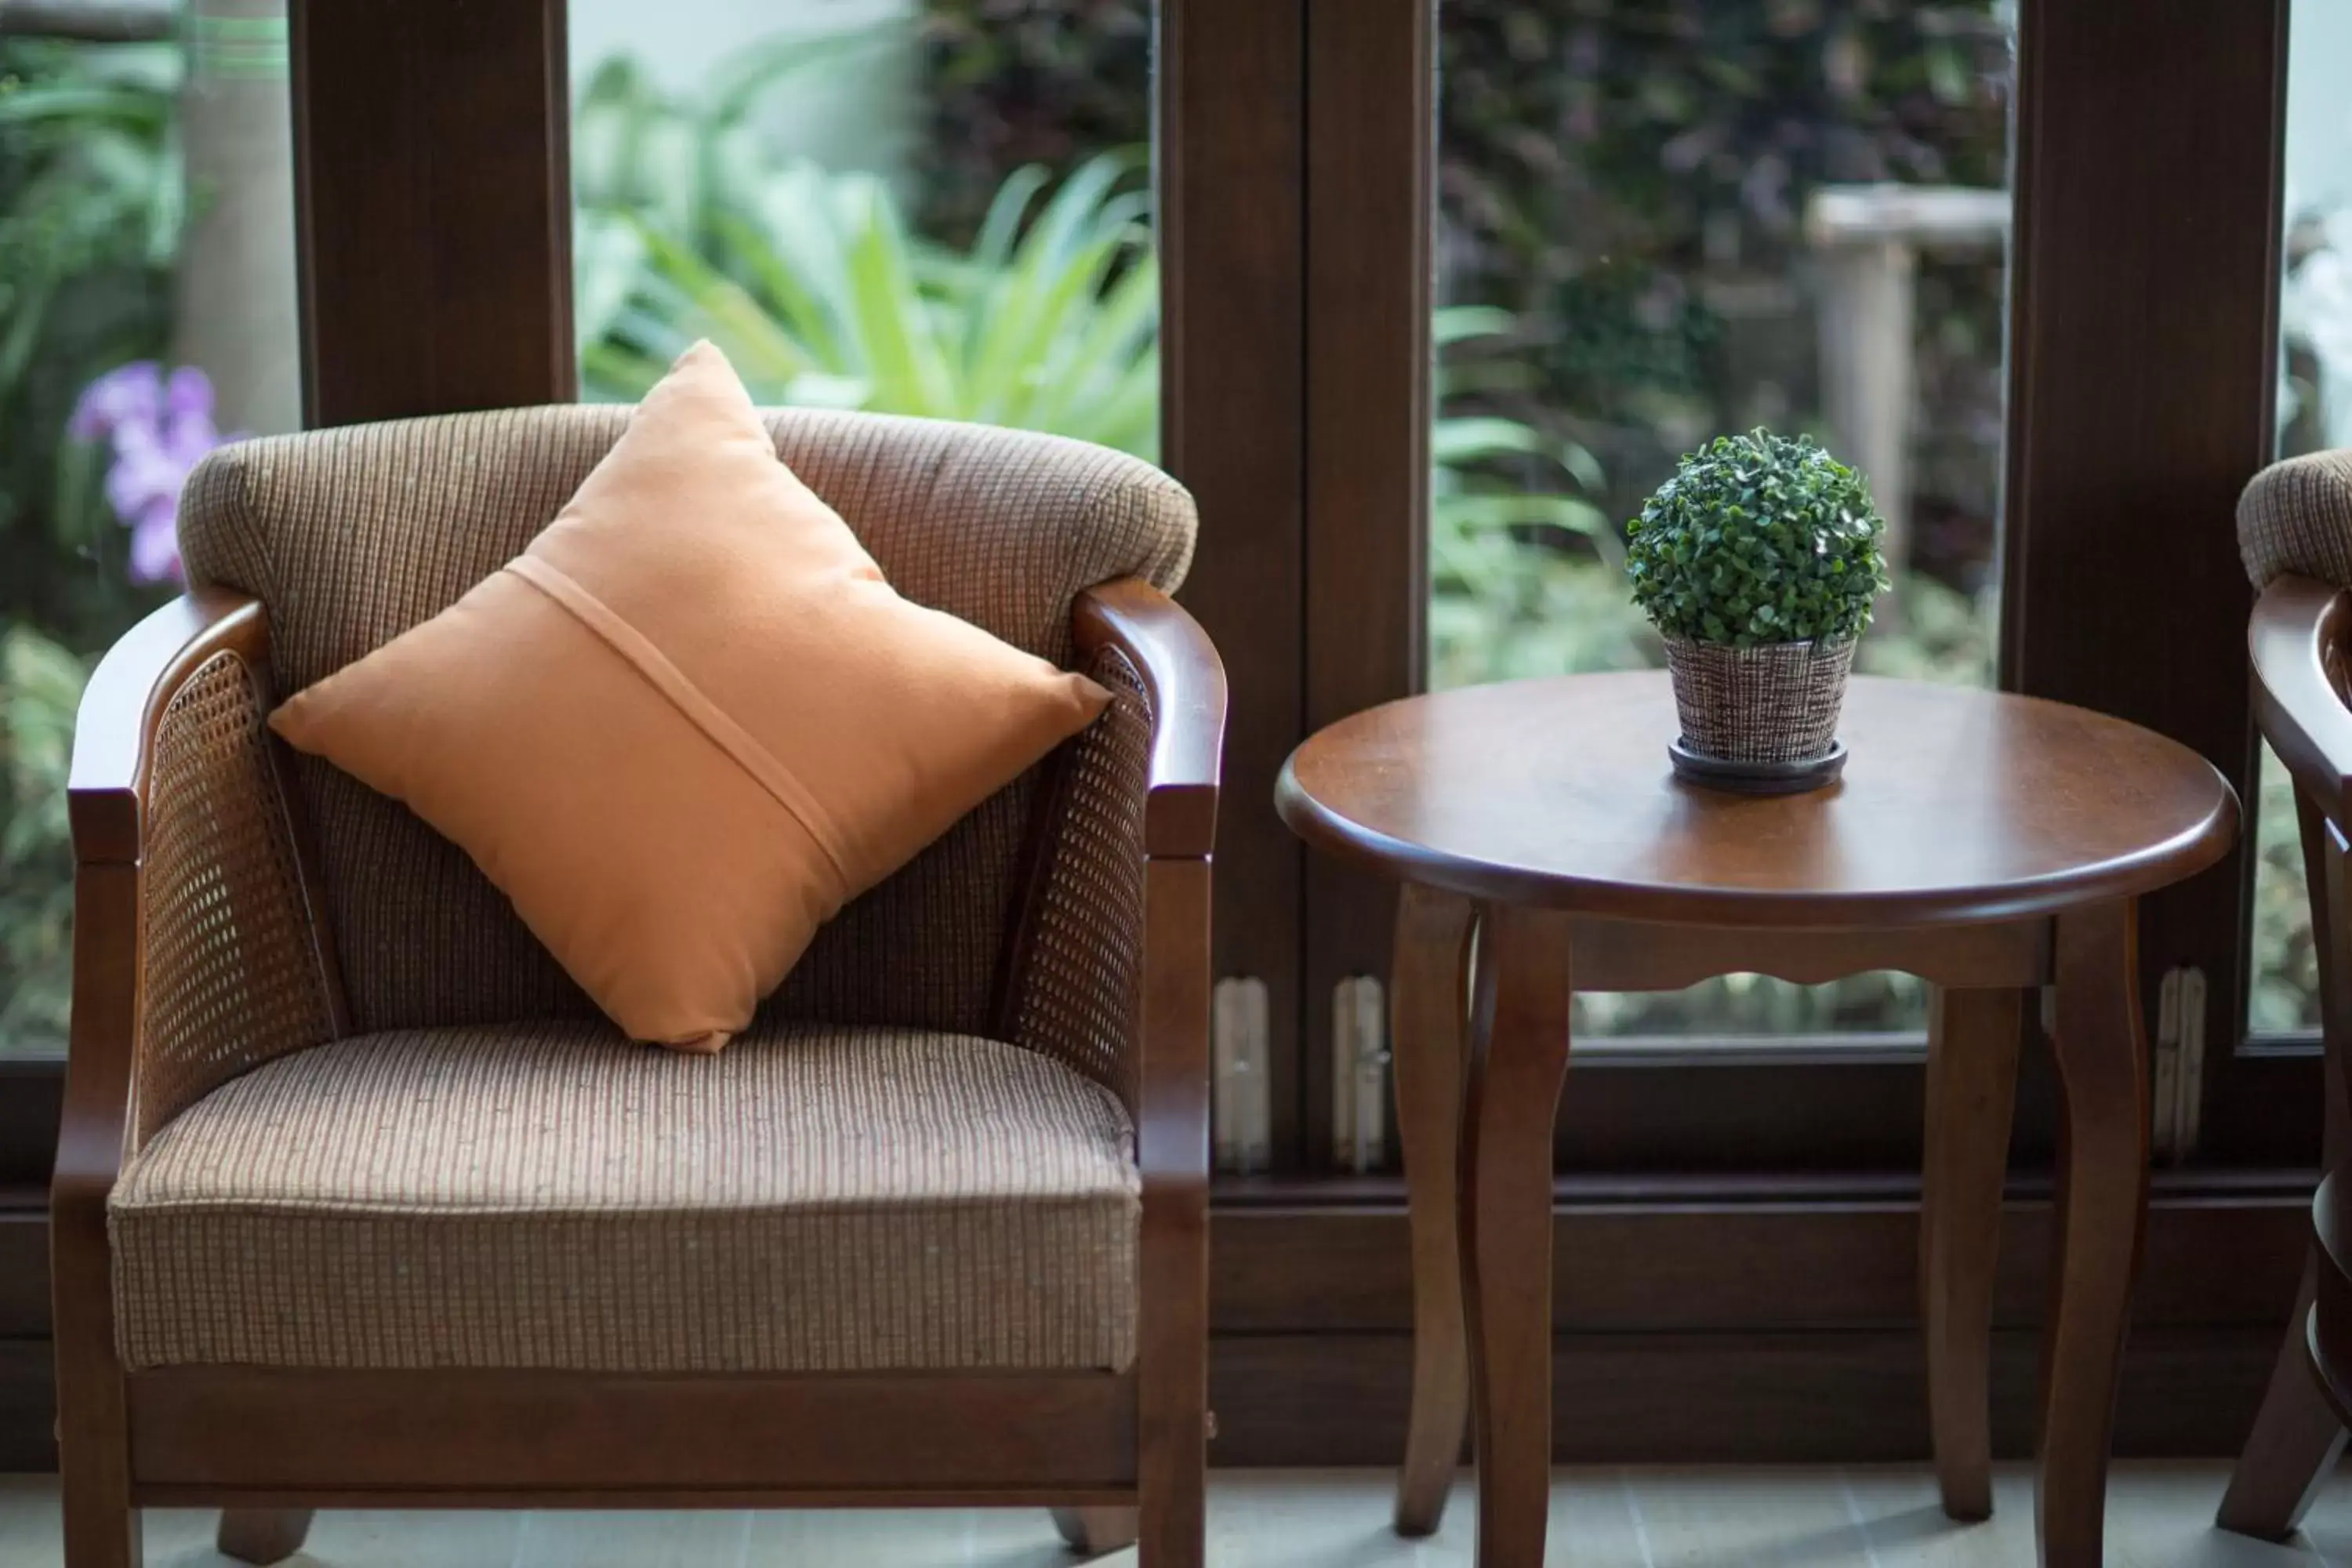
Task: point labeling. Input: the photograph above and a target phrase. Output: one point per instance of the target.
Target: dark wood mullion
(32, 1089)
(2144, 275)
(1371, 148)
(1228, 143)
(433, 206)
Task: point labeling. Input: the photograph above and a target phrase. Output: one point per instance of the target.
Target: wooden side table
(1990, 844)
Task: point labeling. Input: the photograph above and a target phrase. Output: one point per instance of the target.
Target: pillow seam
(678, 689)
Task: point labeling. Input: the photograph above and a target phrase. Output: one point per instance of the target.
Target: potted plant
(1758, 563)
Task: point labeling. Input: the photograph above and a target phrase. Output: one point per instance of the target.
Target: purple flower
(133, 390)
(189, 391)
(160, 431)
(155, 543)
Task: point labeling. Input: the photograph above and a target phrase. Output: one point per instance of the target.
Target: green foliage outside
(1626, 179)
(1046, 319)
(90, 206)
(1758, 539)
(39, 685)
(813, 284)
(2284, 996)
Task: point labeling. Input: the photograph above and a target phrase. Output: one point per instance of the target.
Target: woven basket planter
(1773, 704)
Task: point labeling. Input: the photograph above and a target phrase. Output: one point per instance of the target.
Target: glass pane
(916, 206)
(2315, 412)
(147, 306)
(1659, 223)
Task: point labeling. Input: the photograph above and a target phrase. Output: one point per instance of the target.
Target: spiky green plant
(811, 281)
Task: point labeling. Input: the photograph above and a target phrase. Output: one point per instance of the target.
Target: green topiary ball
(1758, 539)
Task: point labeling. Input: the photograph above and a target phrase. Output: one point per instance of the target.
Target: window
(147, 312)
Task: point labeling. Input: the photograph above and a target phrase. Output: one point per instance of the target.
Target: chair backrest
(2296, 518)
(2294, 535)
(350, 536)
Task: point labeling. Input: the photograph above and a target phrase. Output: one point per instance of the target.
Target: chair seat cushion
(549, 1195)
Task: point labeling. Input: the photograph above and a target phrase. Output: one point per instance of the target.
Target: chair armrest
(1109, 963)
(1183, 685)
(191, 879)
(115, 732)
(1184, 682)
(2298, 641)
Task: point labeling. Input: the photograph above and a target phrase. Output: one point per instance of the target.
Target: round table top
(1957, 805)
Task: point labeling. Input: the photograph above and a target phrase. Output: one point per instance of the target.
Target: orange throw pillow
(691, 720)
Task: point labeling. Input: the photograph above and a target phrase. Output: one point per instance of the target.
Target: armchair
(358, 1202)
(2294, 530)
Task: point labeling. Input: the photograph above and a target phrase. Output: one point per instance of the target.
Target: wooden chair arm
(114, 736)
(1186, 686)
(2297, 640)
(110, 803)
(1185, 682)
(122, 757)
(114, 733)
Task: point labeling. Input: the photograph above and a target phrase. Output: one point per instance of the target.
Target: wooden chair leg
(2297, 1440)
(100, 1531)
(1972, 1045)
(262, 1535)
(1171, 1523)
(2102, 1217)
(1173, 1416)
(1518, 1060)
(2298, 1436)
(102, 1527)
(1429, 1007)
(1097, 1532)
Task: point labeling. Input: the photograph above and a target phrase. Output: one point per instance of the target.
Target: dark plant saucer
(1756, 778)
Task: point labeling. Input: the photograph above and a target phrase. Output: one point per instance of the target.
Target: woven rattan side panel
(229, 977)
(1076, 994)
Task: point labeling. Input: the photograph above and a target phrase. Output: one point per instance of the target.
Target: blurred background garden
(1658, 220)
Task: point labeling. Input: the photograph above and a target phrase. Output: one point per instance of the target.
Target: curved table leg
(1429, 1015)
(1518, 1058)
(2102, 1216)
(1973, 1043)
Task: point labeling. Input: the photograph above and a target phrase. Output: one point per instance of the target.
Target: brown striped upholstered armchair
(358, 1201)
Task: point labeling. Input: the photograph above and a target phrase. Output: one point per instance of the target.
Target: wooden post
(1231, 186)
(236, 315)
(1869, 239)
(434, 206)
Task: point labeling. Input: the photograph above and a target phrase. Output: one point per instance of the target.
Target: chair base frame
(523, 1438)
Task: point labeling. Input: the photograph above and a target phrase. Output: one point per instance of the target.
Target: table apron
(1608, 954)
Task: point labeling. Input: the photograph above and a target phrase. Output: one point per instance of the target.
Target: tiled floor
(2160, 1516)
